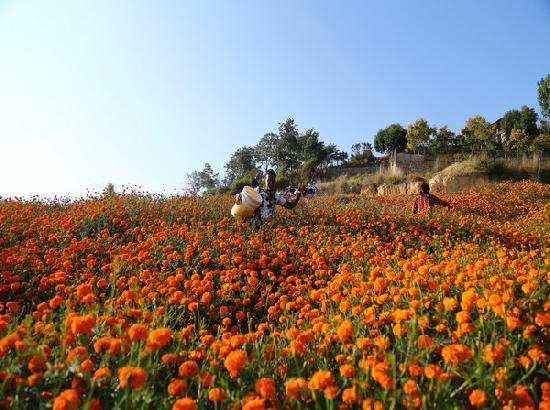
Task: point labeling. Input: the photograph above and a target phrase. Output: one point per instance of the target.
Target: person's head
(270, 179)
(424, 188)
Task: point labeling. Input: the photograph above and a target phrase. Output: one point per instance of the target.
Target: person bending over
(424, 200)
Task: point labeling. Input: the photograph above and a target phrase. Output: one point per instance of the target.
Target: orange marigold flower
(296, 388)
(351, 395)
(347, 370)
(185, 403)
(67, 400)
(454, 354)
(138, 331)
(37, 364)
(55, 301)
(234, 362)
(432, 371)
(82, 324)
(265, 387)
(135, 377)
(217, 394)
(424, 341)
(177, 387)
(159, 338)
(477, 397)
(79, 352)
(188, 368)
(254, 404)
(345, 330)
(102, 375)
(321, 379)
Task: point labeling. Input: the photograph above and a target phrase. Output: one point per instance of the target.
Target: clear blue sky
(143, 92)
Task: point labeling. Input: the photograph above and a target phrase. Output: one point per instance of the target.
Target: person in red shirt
(424, 200)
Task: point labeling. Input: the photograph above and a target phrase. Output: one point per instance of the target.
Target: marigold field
(138, 302)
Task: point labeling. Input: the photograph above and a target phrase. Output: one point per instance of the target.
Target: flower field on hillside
(136, 302)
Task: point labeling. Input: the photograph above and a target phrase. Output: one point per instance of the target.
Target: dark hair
(424, 188)
(270, 172)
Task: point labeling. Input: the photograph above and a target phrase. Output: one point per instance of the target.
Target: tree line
(298, 157)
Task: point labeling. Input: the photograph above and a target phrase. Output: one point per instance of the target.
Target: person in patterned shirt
(270, 198)
(424, 200)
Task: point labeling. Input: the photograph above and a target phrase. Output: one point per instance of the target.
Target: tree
(194, 182)
(362, 151)
(518, 140)
(265, 150)
(393, 137)
(479, 134)
(242, 161)
(418, 134)
(544, 96)
(541, 144)
(209, 179)
(524, 119)
(205, 179)
(287, 151)
(443, 141)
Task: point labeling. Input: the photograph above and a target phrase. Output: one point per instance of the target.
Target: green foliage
(418, 134)
(444, 141)
(288, 150)
(362, 151)
(544, 96)
(244, 179)
(242, 161)
(541, 144)
(265, 150)
(479, 134)
(393, 137)
(524, 119)
(202, 180)
(518, 140)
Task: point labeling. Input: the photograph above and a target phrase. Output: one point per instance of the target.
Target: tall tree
(393, 137)
(523, 119)
(443, 141)
(242, 161)
(205, 179)
(418, 134)
(288, 151)
(479, 134)
(265, 150)
(518, 140)
(544, 96)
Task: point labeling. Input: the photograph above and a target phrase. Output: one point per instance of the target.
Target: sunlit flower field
(136, 302)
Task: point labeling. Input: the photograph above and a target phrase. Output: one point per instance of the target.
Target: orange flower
(345, 330)
(347, 370)
(82, 324)
(265, 387)
(185, 403)
(454, 354)
(217, 394)
(321, 379)
(177, 387)
(159, 338)
(477, 397)
(135, 377)
(188, 368)
(102, 375)
(296, 389)
(67, 400)
(432, 371)
(351, 395)
(138, 331)
(234, 362)
(254, 404)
